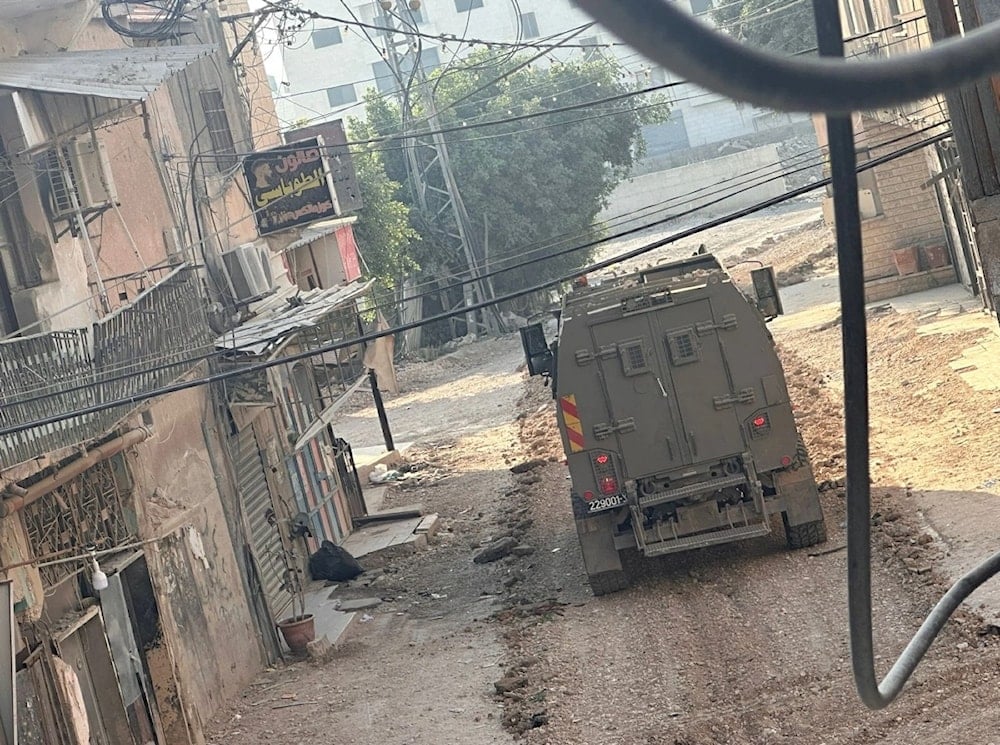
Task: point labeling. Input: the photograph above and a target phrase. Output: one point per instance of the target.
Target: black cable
(854, 340)
(141, 364)
(672, 38)
(720, 194)
(461, 310)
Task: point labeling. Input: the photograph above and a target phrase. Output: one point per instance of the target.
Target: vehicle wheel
(806, 534)
(605, 583)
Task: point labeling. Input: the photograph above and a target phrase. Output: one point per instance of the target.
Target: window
(870, 203)
(633, 357)
(658, 76)
(385, 81)
(590, 46)
(464, 6)
(701, 7)
(372, 13)
(415, 16)
(340, 95)
(682, 347)
(529, 26)
(869, 199)
(326, 37)
(219, 132)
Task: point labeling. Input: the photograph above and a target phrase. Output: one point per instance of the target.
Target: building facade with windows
(325, 70)
(916, 231)
(144, 543)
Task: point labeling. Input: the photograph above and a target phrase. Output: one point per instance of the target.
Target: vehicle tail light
(760, 425)
(604, 471)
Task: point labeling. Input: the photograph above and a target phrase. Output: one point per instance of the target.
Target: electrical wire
(160, 27)
(527, 256)
(320, 116)
(675, 40)
(444, 38)
(854, 343)
(480, 123)
(462, 308)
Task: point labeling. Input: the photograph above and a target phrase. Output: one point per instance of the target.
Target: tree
(383, 231)
(781, 26)
(526, 182)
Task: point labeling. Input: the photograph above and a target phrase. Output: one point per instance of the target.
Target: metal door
(348, 476)
(264, 537)
(687, 341)
(127, 660)
(642, 405)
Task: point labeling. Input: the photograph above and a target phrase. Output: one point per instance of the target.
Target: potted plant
(299, 629)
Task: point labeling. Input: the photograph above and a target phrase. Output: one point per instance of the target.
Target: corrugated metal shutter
(266, 542)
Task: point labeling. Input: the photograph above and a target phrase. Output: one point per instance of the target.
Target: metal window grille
(62, 181)
(94, 509)
(633, 357)
(219, 132)
(682, 347)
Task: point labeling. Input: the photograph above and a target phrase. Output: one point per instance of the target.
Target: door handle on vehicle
(663, 391)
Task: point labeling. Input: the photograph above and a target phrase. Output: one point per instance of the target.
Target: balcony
(142, 345)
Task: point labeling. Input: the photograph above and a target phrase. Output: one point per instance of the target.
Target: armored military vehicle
(674, 415)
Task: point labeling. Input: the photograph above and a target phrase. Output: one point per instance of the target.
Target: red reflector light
(760, 421)
(588, 495)
(786, 460)
(608, 485)
(602, 459)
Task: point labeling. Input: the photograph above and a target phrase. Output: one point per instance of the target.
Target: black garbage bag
(333, 563)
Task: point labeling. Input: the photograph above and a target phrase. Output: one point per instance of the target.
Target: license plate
(606, 503)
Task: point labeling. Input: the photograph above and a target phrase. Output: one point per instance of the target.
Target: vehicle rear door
(688, 341)
(643, 408)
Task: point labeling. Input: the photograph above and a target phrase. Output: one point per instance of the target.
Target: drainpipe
(17, 498)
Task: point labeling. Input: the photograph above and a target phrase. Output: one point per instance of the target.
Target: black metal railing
(135, 349)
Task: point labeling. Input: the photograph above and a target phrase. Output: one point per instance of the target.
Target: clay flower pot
(298, 632)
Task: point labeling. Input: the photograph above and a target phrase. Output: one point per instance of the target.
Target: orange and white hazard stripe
(574, 429)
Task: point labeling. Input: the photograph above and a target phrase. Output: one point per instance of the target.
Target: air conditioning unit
(249, 269)
(84, 173)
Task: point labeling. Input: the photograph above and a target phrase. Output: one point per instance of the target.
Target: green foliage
(385, 237)
(785, 26)
(528, 182)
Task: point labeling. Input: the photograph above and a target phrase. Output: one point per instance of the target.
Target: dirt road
(736, 644)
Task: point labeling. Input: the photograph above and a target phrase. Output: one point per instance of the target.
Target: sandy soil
(745, 643)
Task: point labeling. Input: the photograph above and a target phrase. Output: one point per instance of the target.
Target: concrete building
(325, 69)
(915, 227)
(145, 544)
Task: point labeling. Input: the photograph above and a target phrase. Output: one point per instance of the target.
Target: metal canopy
(319, 230)
(129, 74)
(280, 316)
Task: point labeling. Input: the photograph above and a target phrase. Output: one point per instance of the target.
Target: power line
(596, 266)
(445, 38)
(479, 124)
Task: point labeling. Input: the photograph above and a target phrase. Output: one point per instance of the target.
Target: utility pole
(429, 166)
(975, 121)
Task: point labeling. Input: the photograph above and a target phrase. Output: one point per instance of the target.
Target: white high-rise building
(324, 70)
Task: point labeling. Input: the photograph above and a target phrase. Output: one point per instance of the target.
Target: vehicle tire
(806, 534)
(604, 583)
